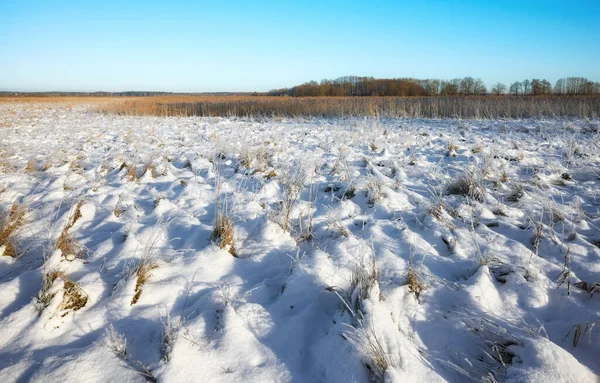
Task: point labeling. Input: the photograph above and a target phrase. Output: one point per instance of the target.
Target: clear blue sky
(260, 45)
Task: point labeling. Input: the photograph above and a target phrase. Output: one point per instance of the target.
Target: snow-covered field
(347, 250)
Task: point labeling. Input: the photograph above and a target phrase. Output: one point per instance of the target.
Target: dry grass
(223, 232)
(31, 166)
(76, 213)
(452, 148)
(74, 297)
(375, 357)
(143, 273)
(69, 246)
(412, 280)
(9, 225)
(66, 243)
(132, 173)
(408, 107)
(469, 185)
(517, 192)
(477, 148)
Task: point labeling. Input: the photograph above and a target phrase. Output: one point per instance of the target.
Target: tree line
(468, 86)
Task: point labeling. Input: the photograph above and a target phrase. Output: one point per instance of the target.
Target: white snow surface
(328, 299)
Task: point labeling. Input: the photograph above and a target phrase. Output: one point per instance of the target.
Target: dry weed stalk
(579, 330)
(565, 274)
(589, 287)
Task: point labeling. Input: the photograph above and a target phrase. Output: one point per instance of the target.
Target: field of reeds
(483, 107)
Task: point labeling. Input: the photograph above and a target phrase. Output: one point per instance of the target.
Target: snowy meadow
(229, 249)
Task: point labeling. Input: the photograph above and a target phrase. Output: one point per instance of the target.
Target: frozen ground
(382, 250)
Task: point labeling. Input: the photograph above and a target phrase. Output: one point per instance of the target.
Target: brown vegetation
(143, 273)
(223, 232)
(74, 297)
(9, 224)
(407, 107)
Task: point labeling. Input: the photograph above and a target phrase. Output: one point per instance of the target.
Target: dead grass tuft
(452, 148)
(412, 280)
(132, 173)
(74, 297)
(9, 225)
(143, 272)
(76, 214)
(31, 166)
(69, 246)
(223, 232)
(469, 185)
(517, 192)
(477, 148)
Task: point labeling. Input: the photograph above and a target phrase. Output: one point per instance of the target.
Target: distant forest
(369, 86)
(349, 86)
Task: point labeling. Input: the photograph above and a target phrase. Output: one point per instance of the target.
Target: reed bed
(482, 107)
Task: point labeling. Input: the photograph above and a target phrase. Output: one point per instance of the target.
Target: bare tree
(498, 89)
(516, 88)
(526, 87)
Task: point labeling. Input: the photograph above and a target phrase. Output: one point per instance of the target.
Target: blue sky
(260, 45)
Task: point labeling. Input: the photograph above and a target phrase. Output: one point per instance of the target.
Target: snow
(328, 299)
